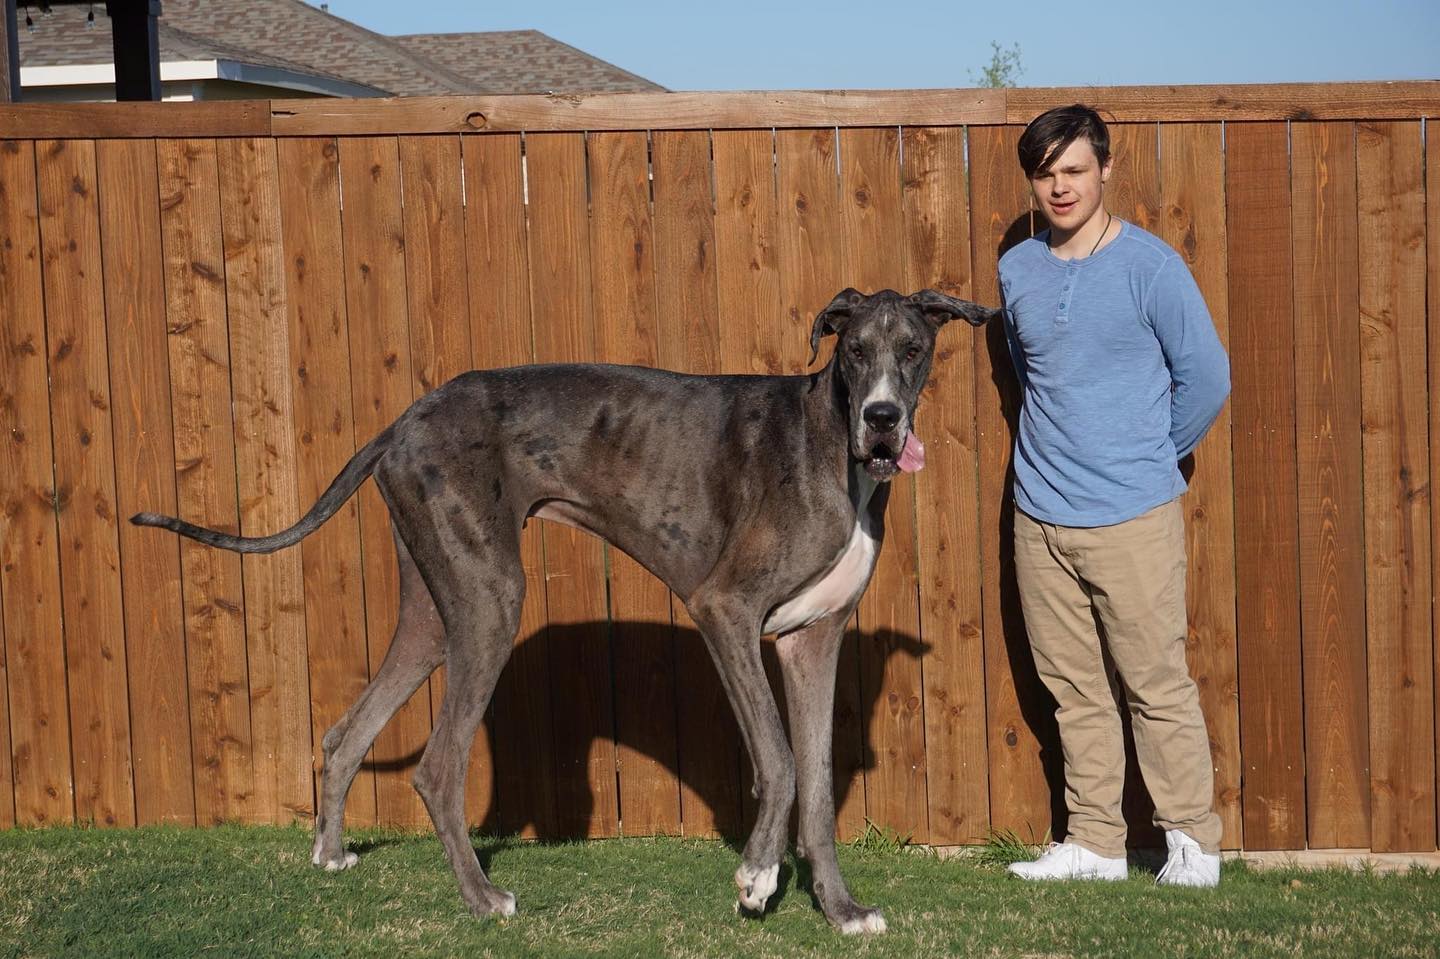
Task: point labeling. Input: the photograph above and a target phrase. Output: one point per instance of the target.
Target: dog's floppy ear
(832, 319)
(940, 309)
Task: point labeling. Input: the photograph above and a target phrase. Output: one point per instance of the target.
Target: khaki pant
(1118, 590)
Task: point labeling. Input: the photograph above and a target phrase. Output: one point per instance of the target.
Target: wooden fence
(206, 308)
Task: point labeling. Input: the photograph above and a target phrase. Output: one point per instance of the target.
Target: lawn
(250, 891)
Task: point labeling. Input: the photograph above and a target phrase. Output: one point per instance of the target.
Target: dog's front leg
(732, 633)
(808, 661)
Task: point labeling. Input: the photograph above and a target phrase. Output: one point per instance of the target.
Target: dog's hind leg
(808, 661)
(480, 586)
(732, 634)
(416, 649)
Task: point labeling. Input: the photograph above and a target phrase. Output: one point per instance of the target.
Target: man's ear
(940, 309)
(832, 319)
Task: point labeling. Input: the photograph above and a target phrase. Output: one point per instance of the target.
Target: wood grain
(30, 593)
(200, 402)
(1257, 197)
(937, 256)
(1394, 420)
(320, 383)
(145, 465)
(266, 474)
(85, 482)
(1331, 505)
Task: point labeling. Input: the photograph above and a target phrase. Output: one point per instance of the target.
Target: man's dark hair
(1049, 134)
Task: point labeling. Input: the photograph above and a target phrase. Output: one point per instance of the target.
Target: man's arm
(1199, 368)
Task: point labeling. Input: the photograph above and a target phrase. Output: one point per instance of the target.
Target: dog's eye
(857, 351)
(911, 353)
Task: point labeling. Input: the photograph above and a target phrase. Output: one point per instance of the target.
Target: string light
(29, 20)
(90, 18)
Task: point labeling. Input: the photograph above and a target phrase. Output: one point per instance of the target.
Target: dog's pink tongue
(912, 457)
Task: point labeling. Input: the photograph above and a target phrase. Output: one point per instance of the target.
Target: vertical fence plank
(808, 216)
(1432, 210)
(889, 611)
(812, 270)
(85, 482)
(1257, 196)
(266, 474)
(1193, 222)
(1394, 411)
(439, 310)
(522, 751)
(746, 252)
(1023, 746)
(375, 302)
(205, 477)
(29, 539)
(1332, 532)
(688, 314)
(520, 781)
(145, 468)
(626, 331)
(574, 570)
(937, 256)
(324, 440)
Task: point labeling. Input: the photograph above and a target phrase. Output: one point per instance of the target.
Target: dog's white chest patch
(836, 589)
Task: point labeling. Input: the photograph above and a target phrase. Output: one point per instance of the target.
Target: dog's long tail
(342, 487)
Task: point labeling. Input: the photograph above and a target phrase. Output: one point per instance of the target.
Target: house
(264, 49)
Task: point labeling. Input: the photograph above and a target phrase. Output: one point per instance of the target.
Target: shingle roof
(523, 61)
(295, 36)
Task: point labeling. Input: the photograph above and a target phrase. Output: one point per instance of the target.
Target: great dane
(759, 500)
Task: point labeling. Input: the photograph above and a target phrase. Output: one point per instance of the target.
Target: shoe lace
(1179, 863)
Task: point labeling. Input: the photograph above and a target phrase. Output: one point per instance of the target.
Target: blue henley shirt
(1121, 372)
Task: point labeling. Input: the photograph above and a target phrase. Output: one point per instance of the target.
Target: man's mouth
(1063, 208)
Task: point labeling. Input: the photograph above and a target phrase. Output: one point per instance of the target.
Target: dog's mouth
(884, 461)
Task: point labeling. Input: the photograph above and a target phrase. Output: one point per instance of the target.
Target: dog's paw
(865, 921)
(344, 862)
(756, 886)
(494, 902)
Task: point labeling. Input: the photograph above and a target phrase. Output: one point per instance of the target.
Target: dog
(758, 500)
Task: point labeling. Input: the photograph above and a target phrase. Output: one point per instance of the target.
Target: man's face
(1068, 193)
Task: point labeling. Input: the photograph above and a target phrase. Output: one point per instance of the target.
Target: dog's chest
(838, 588)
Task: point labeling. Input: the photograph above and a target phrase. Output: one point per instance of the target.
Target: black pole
(9, 56)
(137, 48)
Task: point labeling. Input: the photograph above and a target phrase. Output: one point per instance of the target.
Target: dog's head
(882, 359)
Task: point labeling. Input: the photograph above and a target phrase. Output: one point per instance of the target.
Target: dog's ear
(940, 309)
(832, 319)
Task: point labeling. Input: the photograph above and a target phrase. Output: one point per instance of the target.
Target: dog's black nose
(882, 417)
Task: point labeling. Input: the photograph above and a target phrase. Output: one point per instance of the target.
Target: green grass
(250, 891)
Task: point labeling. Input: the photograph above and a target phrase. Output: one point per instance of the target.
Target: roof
(523, 61)
(293, 36)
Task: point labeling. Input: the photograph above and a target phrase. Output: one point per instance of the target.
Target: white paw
(870, 922)
(507, 905)
(757, 885)
(345, 862)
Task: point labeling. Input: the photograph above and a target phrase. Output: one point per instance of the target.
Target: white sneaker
(1188, 864)
(1068, 861)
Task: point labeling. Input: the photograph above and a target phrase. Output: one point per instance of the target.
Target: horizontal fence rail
(207, 308)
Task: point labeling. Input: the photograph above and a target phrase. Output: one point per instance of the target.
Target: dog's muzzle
(887, 444)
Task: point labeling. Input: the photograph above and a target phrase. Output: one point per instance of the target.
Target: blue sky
(776, 45)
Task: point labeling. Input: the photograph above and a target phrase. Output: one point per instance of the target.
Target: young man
(1122, 373)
